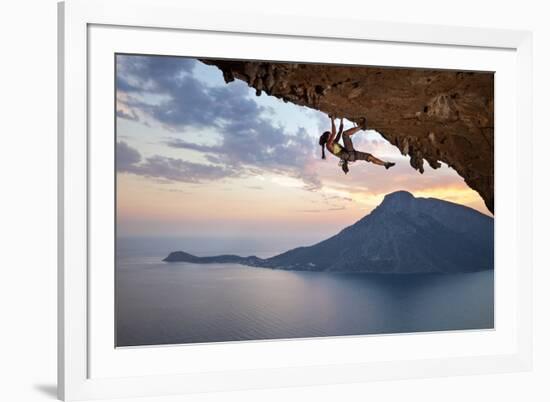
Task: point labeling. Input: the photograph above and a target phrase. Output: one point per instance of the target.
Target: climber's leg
(351, 131)
(365, 156)
(348, 144)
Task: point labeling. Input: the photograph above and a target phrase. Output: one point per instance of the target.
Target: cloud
(367, 183)
(256, 143)
(182, 144)
(130, 115)
(165, 168)
(150, 73)
(261, 148)
(126, 157)
(186, 101)
(164, 90)
(322, 122)
(174, 190)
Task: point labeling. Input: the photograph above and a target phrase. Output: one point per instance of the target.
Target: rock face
(403, 235)
(431, 115)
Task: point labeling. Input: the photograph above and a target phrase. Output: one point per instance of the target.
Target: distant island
(402, 235)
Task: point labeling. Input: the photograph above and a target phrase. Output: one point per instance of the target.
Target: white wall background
(28, 200)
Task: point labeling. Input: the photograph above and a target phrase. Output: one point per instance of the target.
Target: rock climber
(347, 153)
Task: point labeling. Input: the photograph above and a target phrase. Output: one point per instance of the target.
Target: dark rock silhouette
(432, 115)
(403, 234)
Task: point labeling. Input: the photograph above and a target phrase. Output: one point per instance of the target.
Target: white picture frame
(90, 31)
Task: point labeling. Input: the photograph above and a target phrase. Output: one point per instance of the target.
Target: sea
(160, 303)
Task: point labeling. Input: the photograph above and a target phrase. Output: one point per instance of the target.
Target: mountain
(403, 234)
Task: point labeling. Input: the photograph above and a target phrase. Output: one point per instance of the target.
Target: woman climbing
(347, 153)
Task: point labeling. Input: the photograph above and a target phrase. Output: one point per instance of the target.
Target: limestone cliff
(431, 115)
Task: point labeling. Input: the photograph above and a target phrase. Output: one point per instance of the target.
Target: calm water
(161, 303)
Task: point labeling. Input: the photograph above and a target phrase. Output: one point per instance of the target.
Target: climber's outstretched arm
(332, 135)
(340, 130)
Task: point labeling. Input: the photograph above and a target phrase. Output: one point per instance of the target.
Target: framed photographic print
(248, 202)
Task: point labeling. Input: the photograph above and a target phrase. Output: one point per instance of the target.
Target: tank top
(337, 149)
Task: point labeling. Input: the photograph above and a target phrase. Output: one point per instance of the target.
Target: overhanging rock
(430, 115)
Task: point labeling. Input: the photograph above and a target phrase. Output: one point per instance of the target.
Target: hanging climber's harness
(344, 165)
(346, 157)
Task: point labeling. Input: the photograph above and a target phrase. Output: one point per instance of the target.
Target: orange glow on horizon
(277, 204)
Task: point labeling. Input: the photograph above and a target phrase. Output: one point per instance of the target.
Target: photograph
(208, 201)
(214, 201)
(275, 200)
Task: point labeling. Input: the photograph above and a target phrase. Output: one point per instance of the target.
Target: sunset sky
(199, 157)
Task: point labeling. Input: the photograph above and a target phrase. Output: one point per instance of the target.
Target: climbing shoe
(388, 165)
